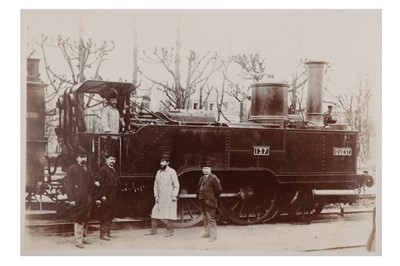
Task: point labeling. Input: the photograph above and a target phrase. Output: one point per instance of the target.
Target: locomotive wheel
(249, 206)
(188, 211)
(301, 212)
(304, 207)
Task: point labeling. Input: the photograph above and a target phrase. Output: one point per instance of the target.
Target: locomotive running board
(335, 195)
(223, 195)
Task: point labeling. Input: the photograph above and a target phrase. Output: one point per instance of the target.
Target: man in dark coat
(328, 116)
(110, 186)
(208, 191)
(79, 185)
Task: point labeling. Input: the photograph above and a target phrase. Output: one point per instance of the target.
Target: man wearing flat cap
(79, 186)
(166, 189)
(208, 191)
(110, 186)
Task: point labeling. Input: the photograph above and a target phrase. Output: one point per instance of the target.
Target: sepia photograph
(206, 132)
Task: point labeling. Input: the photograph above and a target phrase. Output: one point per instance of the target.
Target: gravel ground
(337, 236)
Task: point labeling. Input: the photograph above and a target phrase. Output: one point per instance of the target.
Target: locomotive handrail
(154, 114)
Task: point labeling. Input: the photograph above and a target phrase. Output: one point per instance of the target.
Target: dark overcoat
(211, 190)
(79, 186)
(110, 186)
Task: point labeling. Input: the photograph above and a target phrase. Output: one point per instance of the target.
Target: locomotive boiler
(272, 164)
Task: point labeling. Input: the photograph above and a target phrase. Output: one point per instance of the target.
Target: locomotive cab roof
(104, 88)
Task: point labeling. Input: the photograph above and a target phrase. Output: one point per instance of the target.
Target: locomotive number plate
(341, 151)
(261, 150)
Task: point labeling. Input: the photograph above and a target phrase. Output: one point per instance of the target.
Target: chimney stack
(33, 69)
(316, 71)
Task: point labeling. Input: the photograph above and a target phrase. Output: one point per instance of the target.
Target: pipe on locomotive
(315, 80)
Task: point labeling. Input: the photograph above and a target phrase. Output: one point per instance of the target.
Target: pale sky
(350, 40)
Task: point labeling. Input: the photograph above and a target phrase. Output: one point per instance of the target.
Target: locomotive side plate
(341, 151)
(261, 150)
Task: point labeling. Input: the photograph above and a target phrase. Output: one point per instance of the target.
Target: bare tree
(79, 57)
(252, 69)
(199, 70)
(296, 89)
(30, 49)
(252, 65)
(221, 93)
(356, 107)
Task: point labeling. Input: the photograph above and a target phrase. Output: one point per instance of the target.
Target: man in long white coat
(166, 189)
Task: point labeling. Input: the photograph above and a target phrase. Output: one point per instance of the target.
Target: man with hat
(328, 116)
(79, 186)
(166, 189)
(208, 191)
(110, 117)
(110, 186)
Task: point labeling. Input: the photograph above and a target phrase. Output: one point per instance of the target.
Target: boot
(205, 235)
(153, 230)
(105, 237)
(170, 228)
(109, 229)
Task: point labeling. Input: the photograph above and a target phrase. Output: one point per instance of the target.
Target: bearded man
(166, 189)
(79, 186)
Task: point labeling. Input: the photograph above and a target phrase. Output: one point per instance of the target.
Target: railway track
(49, 227)
(67, 228)
(335, 248)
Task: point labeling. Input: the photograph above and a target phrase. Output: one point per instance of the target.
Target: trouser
(80, 217)
(209, 219)
(154, 225)
(105, 228)
(80, 232)
(106, 217)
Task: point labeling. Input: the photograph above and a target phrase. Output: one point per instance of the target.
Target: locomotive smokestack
(269, 102)
(33, 69)
(315, 86)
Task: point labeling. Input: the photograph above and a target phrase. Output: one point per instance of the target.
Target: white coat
(166, 186)
(110, 119)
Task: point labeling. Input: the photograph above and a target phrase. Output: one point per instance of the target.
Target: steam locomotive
(272, 164)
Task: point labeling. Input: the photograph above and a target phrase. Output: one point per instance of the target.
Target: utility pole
(135, 53)
(178, 87)
(81, 50)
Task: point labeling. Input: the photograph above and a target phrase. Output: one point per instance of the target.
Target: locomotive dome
(269, 101)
